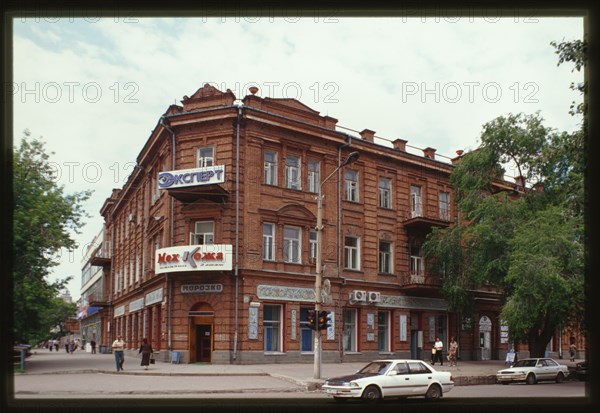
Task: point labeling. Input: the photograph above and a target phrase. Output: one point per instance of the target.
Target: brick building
(213, 240)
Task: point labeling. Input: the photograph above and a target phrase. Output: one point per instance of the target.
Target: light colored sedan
(390, 378)
(532, 370)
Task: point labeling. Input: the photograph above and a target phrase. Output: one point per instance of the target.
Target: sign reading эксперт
(191, 177)
(214, 257)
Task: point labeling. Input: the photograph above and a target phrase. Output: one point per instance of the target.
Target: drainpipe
(237, 228)
(339, 235)
(172, 230)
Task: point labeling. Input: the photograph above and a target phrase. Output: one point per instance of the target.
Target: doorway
(203, 343)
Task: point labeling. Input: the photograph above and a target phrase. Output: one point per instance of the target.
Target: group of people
(70, 346)
(145, 350)
(438, 349)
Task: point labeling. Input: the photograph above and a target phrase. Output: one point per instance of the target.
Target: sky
(94, 88)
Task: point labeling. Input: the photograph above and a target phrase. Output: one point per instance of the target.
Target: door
(203, 343)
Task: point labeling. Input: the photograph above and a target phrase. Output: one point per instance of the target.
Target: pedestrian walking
(50, 344)
(56, 345)
(118, 346)
(572, 351)
(439, 347)
(67, 346)
(452, 351)
(72, 347)
(146, 350)
(93, 344)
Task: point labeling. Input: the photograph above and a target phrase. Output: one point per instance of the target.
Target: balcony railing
(101, 257)
(98, 300)
(419, 280)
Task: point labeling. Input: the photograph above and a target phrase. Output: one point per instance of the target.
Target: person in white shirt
(118, 346)
(439, 346)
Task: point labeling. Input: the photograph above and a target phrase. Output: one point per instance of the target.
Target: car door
(543, 372)
(420, 378)
(553, 369)
(393, 382)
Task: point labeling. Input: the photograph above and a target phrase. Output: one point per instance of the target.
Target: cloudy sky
(95, 88)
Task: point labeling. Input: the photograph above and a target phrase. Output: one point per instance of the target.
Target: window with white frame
(385, 193)
(306, 334)
(204, 233)
(292, 172)
(313, 245)
(205, 157)
(291, 244)
(383, 331)
(351, 185)
(270, 167)
(416, 260)
(269, 242)
(352, 253)
(445, 206)
(416, 207)
(385, 257)
(272, 328)
(349, 333)
(314, 175)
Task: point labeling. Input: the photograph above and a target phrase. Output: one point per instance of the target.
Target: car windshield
(525, 363)
(376, 367)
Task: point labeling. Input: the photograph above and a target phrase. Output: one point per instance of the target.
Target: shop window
(272, 328)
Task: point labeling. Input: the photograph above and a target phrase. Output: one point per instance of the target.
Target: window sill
(274, 353)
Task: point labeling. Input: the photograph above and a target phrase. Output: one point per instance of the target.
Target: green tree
(44, 218)
(524, 240)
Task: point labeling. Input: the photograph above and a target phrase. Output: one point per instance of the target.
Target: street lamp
(352, 157)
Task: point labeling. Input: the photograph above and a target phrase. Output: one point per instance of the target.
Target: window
(418, 368)
(385, 257)
(351, 185)
(269, 242)
(205, 157)
(445, 206)
(415, 201)
(351, 253)
(272, 327)
(291, 245)
(349, 330)
(155, 191)
(416, 260)
(270, 168)
(313, 245)
(306, 334)
(385, 193)
(383, 331)
(292, 172)
(204, 233)
(314, 175)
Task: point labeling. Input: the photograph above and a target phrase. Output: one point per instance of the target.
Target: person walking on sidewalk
(439, 347)
(118, 346)
(572, 351)
(93, 344)
(452, 351)
(146, 350)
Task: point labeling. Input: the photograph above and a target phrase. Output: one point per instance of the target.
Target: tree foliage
(44, 219)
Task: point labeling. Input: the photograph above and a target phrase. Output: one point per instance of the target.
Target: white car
(390, 378)
(532, 370)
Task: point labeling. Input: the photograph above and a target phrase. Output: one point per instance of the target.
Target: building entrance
(203, 343)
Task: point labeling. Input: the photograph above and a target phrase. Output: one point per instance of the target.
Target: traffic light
(312, 320)
(323, 320)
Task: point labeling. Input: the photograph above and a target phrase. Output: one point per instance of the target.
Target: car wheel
(560, 378)
(531, 379)
(434, 392)
(340, 399)
(371, 394)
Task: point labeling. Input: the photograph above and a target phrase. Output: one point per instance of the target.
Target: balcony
(101, 257)
(214, 193)
(425, 218)
(98, 300)
(419, 282)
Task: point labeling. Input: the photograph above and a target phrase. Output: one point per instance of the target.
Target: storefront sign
(201, 288)
(216, 257)
(155, 296)
(191, 177)
(136, 305)
(119, 311)
(277, 292)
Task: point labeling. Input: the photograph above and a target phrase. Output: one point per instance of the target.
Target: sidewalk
(46, 362)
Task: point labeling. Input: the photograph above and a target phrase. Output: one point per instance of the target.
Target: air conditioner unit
(374, 297)
(132, 218)
(358, 296)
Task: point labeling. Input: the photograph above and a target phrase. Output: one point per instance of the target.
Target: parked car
(390, 378)
(581, 370)
(532, 370)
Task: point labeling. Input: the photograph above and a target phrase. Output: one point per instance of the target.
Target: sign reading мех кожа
(191, 177)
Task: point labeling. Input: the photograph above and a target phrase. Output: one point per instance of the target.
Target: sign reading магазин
(215, 257)
(191, 177)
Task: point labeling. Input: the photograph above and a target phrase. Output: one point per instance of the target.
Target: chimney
(330, 122)
(520, 181)
(367, 135)
(459, 154)
(400, 145)
(429, 153)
